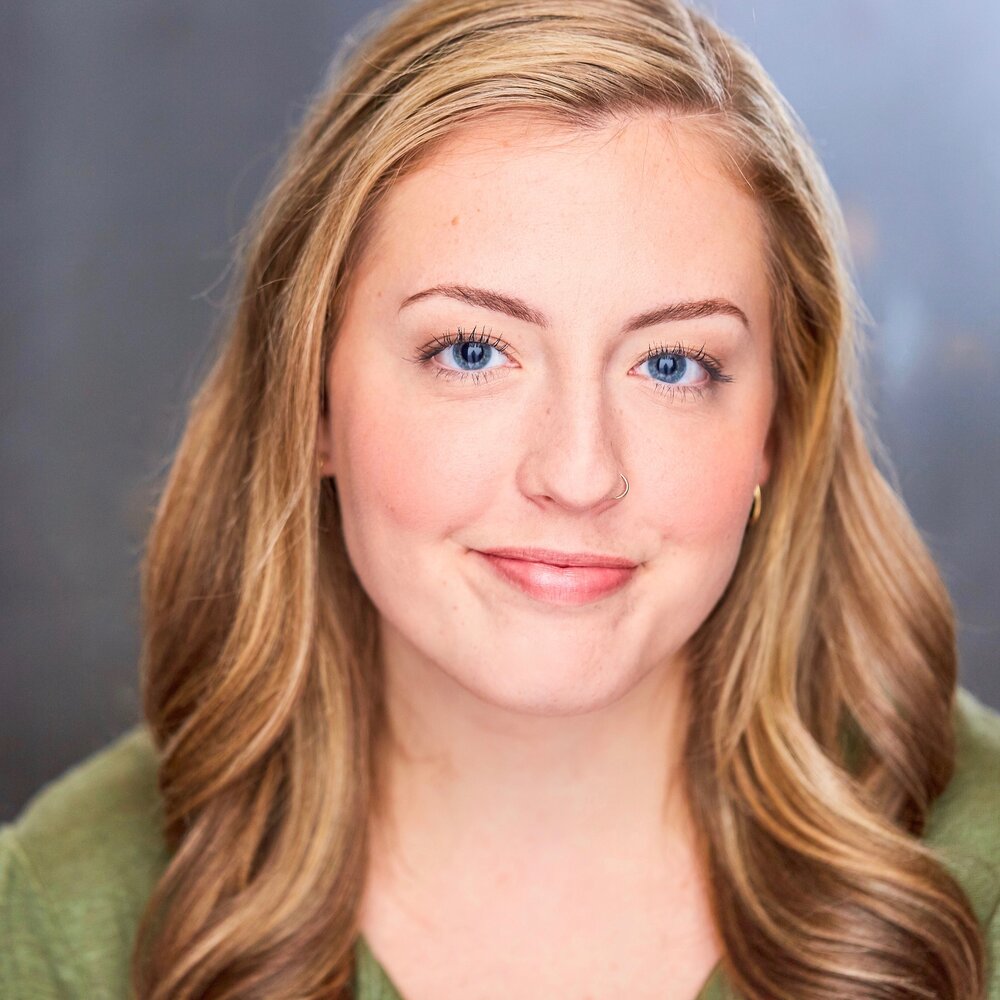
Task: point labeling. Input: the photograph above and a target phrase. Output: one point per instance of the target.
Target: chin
(544, 690)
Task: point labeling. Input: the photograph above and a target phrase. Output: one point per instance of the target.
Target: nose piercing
(620, 495)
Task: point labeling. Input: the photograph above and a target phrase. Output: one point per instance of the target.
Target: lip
(556, 558)
(566, 584)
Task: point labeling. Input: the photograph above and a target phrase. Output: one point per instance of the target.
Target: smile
(564, 585)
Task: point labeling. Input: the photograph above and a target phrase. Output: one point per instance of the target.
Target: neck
(468, 785)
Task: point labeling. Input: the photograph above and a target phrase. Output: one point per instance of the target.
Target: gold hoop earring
(755, 509)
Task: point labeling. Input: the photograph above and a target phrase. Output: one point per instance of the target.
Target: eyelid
(456, 336)
(708, 361)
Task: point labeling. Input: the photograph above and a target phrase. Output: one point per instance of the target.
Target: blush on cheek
(707, 536)
(720, 512)
(701, 502)
(420, 478)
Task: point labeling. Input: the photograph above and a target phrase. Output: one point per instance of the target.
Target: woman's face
(559, 248)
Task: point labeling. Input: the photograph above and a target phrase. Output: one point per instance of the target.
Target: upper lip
(555, 558)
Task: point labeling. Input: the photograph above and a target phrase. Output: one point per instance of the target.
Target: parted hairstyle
(822, 683)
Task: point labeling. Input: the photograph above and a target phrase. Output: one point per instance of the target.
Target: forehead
(649, 201)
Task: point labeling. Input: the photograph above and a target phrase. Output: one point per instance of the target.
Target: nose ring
(620, 495)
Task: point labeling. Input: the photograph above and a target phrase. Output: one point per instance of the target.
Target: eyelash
(711, 364)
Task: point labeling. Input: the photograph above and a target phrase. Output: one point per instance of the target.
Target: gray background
(136, 137)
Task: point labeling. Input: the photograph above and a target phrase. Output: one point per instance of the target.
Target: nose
(571, 459)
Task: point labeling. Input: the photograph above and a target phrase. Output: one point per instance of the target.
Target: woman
(524, 613)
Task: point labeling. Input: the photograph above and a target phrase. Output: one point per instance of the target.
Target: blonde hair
(822, 683)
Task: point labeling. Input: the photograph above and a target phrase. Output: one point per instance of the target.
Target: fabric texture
(79, 863)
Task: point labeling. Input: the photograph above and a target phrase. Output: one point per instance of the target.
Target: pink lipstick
(568, 580)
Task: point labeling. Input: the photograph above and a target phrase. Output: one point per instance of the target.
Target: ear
(767, 455)
(324, 439)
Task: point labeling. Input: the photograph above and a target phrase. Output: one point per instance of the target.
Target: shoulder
(76, 869)
(96, 829)
(964, 823)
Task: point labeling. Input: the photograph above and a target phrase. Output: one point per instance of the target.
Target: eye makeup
(678, 359)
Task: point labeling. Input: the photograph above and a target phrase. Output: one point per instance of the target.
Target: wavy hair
(822, 683)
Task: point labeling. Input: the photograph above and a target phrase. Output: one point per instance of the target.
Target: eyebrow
(520, 310)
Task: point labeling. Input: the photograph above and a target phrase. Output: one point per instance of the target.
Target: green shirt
(79, 863)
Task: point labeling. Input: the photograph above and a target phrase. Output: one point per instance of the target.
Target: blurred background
(136, 138)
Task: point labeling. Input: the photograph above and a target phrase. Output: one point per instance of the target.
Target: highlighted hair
(822, 683)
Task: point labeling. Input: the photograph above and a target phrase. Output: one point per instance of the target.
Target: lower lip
(567, 585)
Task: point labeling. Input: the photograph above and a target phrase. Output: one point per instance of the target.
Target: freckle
(454, 221)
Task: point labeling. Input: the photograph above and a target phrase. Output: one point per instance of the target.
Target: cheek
(704, 485)
(703, 494)
(408, 472)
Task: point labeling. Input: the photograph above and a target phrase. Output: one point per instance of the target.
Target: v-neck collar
(372, 982)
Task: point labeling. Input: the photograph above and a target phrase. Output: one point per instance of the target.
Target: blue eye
(672, 368)
(679, 370)
(470, 353)
(676, 370)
